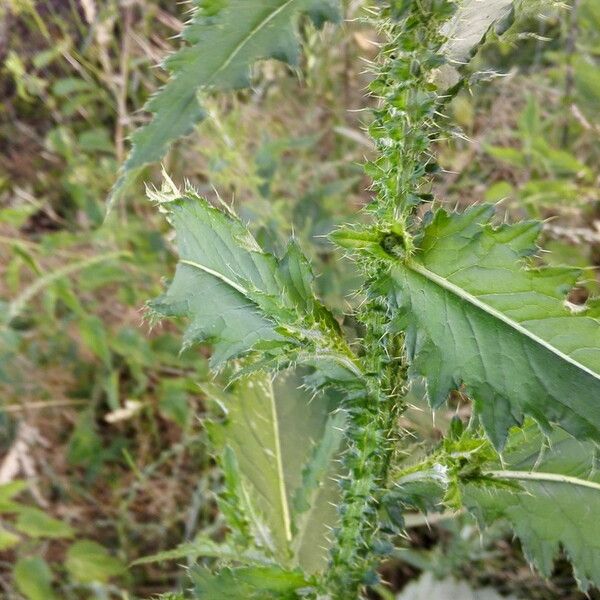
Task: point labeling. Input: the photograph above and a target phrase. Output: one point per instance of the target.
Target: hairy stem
(404, 126)
(371, 438)
(352, 561)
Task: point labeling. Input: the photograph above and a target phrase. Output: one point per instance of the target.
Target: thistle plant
(307, 429)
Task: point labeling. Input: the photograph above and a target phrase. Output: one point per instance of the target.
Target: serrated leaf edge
(473, 300)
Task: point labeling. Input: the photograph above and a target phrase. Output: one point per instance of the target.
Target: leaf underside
(477, 318)
(547, 513)
(466, 32)
(285, 444)
(222, 46)
(467, 28)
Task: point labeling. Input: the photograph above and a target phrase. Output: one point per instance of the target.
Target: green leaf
(587, 78)
(224, 40)
(89, 562)
(248, 583)
(93, 334)
(173, 401)
(296, 272)
(511, 156)
(284, 442)
(556, 504)
(476, 316)
(8, 539)
(70, 85)
(37, 524)
(472, 25)
(220, 264)
(18, 304)
(33, 578)
(421, 489)
(240, 298)
(205, 548)
(251, 442)
(317, 499)
(7, 492)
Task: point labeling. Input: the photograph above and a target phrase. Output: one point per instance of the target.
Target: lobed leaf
(477, 317)
(219, 265)
(240, 298)
(465, 32)
(556, 504)
(224, 40)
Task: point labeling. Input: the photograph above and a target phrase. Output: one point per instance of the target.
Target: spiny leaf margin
(224, 40)
(553, 501)
(508, 336)
(244, 300)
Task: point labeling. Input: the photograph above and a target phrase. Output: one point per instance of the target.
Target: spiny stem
(371, 442)
(405, 125)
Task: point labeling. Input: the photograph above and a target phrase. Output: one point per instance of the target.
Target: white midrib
(250, 35)
(285, 509)
(544, 477)
(223, 278)
(473, 300)
(344, 361)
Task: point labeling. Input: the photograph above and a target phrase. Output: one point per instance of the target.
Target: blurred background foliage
(103, 456)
